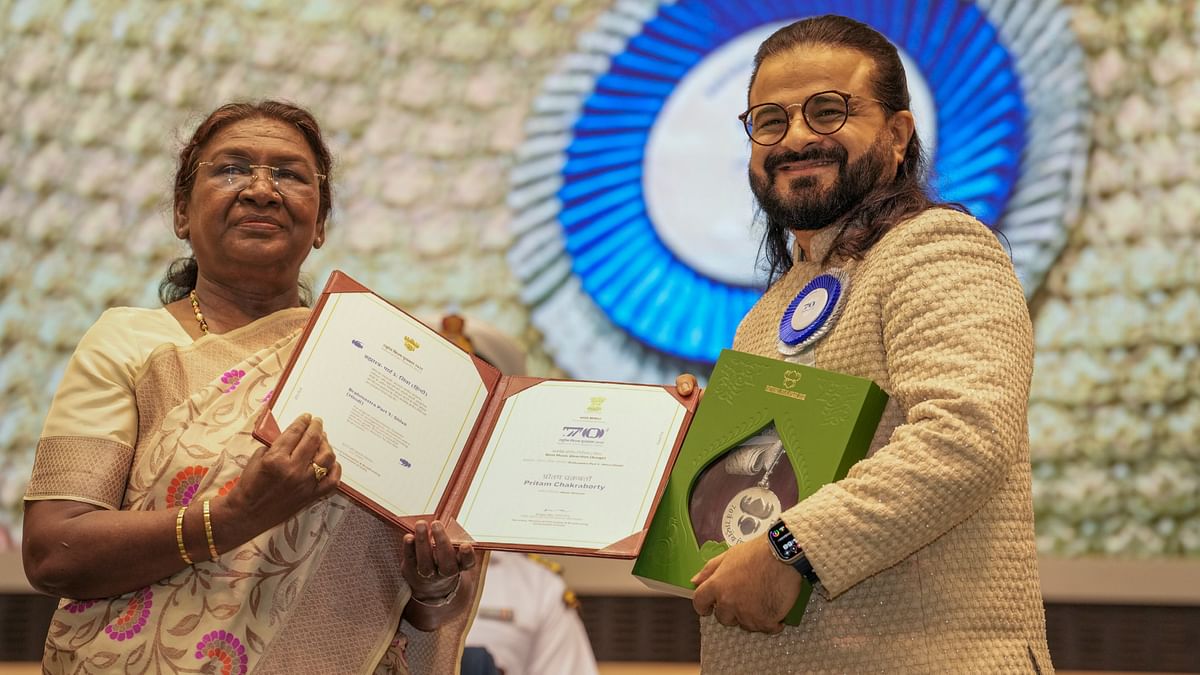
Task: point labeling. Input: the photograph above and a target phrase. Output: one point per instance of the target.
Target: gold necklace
(196, 310)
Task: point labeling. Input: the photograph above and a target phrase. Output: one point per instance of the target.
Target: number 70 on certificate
(585, 432)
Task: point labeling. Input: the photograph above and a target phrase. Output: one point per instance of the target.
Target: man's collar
(819, 245)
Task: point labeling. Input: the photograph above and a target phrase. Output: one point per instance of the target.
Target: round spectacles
(824, 112)
(289, 181)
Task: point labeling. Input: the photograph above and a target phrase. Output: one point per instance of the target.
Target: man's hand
(747, 586)
(685, 384)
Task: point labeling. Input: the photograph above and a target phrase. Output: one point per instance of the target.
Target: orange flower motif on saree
(184, 485)
(131, 621)
(227, 487)
(222, 647)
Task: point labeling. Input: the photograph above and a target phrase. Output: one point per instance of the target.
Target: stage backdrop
(574, 173)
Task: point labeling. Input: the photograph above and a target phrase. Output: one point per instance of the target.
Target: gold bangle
(442, 601)
(179, 536)
(212, 545)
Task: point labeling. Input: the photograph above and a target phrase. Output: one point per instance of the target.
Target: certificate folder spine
(825, 421)
(468, 465)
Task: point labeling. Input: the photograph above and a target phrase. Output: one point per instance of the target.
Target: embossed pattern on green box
(826, 421)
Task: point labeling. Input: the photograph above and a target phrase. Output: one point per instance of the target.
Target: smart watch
(787, 549)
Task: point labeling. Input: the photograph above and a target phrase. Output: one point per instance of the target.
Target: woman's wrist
(228, 529)
(440, 600)
(430, 614)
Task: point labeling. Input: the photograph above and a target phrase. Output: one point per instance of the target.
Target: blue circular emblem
(634, 237)
(811, 313)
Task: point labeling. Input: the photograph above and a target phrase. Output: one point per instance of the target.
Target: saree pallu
(320, 593)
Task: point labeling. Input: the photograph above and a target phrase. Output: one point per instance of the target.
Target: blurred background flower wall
(425, 107)
(1115, 411)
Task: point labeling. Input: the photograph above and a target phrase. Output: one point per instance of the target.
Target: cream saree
(320, 593)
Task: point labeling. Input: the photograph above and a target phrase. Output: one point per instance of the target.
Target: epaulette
(546, 562)
(569, 598)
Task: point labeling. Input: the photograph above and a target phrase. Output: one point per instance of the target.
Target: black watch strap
(805, 569)
(786, 549)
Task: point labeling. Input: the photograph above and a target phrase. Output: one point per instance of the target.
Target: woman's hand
(431, 564)
(81, 551)
(278, 481)
(436, 572)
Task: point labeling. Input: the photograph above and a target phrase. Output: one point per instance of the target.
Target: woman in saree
(181, 544)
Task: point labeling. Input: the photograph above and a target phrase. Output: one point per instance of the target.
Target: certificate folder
(768, 434)
(424, 430)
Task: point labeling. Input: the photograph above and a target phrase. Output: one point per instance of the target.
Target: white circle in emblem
(920, 101)
(697, 193)
(694, 172)
(810, 308)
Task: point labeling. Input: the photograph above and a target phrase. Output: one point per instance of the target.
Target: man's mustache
(814, 154)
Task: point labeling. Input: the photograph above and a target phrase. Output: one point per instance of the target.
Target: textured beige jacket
(925, 550)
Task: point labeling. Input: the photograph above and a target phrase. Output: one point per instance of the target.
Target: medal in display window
(741, 493)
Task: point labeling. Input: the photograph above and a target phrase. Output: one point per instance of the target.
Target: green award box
(729, 483)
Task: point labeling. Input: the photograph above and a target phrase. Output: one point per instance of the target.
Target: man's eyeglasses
(824, 112)
(292, 181)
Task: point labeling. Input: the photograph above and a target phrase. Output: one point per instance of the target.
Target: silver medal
(752, 510)
(749, 514)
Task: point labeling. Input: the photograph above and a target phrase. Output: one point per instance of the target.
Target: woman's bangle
(441, 602)
(179, 536)
(212, 545)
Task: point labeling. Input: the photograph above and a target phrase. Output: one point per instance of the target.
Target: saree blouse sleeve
(86, 448)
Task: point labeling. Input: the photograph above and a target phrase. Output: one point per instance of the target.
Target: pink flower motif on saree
(184, 485)
(222, 647)
(267, 398)
(134, 618)
(232, 378)
(79, 606)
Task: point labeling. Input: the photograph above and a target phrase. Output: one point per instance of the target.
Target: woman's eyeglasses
(290, 181)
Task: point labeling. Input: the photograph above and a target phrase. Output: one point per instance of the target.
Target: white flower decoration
(1176, 60)
(1107, 71)
(1156, 376)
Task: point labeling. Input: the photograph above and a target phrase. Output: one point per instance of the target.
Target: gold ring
(426, 576)
(319, 471)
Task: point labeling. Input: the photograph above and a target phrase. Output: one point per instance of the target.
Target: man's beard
(808, 208)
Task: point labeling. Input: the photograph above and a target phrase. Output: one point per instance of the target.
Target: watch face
(783, 541)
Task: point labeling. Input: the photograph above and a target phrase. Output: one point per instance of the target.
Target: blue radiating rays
(640, 284)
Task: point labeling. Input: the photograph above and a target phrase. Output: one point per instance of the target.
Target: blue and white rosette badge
(811, 315)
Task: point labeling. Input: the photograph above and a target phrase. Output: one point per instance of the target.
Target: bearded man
(923, 557)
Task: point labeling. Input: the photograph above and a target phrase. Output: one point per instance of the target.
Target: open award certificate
(572, 464)
(424, 430)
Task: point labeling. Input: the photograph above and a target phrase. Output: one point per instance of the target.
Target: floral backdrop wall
(426, 106)
(1115, 410)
